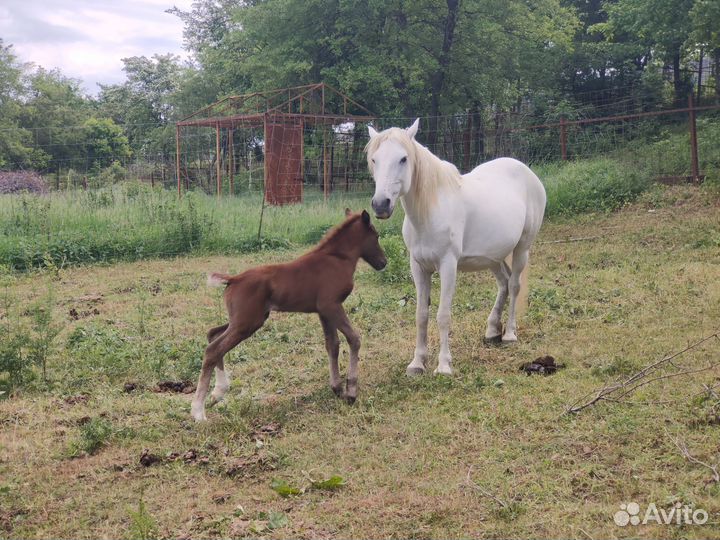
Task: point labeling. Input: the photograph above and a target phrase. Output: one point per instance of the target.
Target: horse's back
(505, 204)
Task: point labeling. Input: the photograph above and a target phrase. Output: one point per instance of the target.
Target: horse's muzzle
(382, 208)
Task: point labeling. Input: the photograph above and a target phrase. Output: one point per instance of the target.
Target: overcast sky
(86, 39)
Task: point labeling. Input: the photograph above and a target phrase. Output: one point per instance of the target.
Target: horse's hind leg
(494, 322)
(520, 259)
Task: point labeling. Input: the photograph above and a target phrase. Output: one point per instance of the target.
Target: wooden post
(231, 161)
(177, 159)
(563, 139)
(693, 141)
(218, 169)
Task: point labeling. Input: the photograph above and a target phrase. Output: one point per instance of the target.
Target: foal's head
(367, 239)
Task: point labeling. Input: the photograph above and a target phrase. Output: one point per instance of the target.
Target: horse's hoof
(337, 390)
(445, 371)
(509, 339)
(350, 400)
(495, 340)
(414, 371)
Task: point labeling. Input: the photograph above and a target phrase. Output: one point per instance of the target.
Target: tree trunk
(677, 79)
(437, 80)
(717, 75)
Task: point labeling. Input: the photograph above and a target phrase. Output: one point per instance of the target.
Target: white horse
(456, 222)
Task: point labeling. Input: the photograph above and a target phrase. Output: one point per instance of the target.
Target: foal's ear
(412, 130)
(371, 131)
(348, 212)
(365, 217)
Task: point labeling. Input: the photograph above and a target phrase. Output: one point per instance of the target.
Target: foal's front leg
(448, 275)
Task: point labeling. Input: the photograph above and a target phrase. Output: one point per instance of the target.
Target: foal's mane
(336, 231)
(430, 173)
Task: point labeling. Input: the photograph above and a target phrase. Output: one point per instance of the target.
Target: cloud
(87, 39)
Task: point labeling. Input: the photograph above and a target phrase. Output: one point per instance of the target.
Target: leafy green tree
(663, 26)
(17, 148)
(104, 143)
(53, 111)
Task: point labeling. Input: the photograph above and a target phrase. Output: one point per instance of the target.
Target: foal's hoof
(447, 371)
(337, 390)
(350, 400)
(414, 371)
(495, 340)
(509, 338)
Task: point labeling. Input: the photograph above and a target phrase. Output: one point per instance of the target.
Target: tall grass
(133, 221)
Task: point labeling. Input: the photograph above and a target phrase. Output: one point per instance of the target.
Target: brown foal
(318, 282)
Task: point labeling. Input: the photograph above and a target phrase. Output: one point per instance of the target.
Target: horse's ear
(371, 131)
(412, 130)
(348, 212)
(365, 217)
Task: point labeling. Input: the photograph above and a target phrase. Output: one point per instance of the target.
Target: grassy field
(487, 453)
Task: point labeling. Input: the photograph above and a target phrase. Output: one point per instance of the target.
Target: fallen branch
(686, 454)
(469, 482)
(616, 391)
(569, 240)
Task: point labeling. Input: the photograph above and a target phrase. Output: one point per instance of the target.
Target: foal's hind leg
(494, 322)
(235, 333)
(222, 380)
(353, 339)
(520, 259)
(332, 344)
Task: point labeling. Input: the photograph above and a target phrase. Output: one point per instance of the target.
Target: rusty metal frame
(254, 109)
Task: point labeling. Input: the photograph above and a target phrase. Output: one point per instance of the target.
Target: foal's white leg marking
(520, 258)
(494, 322)
(421, 277)
(222, 384)
(197, 409)
(448, 274)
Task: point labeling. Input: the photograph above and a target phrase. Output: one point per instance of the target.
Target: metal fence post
(563, 139)
(693, 141)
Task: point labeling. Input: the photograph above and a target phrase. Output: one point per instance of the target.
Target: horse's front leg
(421, 277)
(448, 276)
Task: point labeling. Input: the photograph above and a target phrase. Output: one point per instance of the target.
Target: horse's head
(370, 249)
(390, 157)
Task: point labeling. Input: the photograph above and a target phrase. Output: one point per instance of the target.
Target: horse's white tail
(217, 280)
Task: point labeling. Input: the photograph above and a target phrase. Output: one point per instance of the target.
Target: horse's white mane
(430, 173)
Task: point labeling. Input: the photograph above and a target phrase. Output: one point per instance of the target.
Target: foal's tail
(218, 280)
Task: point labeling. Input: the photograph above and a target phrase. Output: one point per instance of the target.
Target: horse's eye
(403, 160)
(373, 161)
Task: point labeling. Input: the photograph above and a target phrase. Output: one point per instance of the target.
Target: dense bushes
(600, 184)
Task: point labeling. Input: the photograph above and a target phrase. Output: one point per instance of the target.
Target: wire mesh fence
(290, 158)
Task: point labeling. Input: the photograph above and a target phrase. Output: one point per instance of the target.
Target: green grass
(134, 222)
(416, 457)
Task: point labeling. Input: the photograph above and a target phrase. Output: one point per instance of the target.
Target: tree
(663, 26)
(16, 142)
(53, 110)
(104, 143)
